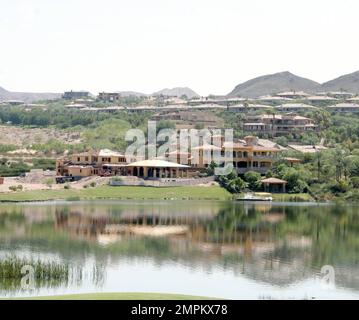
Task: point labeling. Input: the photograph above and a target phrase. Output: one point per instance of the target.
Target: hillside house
(344, 107)
(276, 125)
(72, 95)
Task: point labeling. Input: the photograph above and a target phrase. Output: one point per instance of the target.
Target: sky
(147, 45)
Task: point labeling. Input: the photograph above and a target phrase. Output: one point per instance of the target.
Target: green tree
(253, 179)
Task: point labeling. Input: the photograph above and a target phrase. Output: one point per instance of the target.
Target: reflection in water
(274, 244)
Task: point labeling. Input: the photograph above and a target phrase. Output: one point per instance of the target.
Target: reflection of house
(275, 125)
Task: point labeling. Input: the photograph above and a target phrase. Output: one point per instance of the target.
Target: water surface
(209, 248)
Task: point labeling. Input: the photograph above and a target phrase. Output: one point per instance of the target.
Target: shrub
(253, 179)
(355, 182)
(341, 186)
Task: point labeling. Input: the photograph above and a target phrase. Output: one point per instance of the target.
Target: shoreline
(105, 192)
(118, 193)
(115, 296)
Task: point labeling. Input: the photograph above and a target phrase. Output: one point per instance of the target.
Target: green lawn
(108, 192)
(120, 296)
(292, 197)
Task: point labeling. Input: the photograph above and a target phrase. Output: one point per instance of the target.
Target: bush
(16, 188)
(45, 164)
(341, 186)
(355, 182)
(232, 183)
(12, 169)
(253, 179)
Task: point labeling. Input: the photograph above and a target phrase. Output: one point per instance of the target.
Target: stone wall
(134, 181)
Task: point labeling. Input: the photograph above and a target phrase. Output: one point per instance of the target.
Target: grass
(120, 296)
(10, 268)
(108, 192)
(292, 197)
(45, 274)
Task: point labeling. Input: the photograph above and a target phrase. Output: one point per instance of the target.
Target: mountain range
(260, 86)
(27, 96)
(177, 92)
(286, 81)
(171, 92)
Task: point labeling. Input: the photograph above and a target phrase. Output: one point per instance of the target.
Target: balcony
(261, 170)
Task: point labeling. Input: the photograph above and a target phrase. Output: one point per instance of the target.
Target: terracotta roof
(109, 153)
(273, 180)
(292, 159)
(156, 164)
(207, 147)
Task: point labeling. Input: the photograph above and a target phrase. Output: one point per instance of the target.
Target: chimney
(251, 140)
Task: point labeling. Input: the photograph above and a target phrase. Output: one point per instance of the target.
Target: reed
(10, 268)
(45, 274)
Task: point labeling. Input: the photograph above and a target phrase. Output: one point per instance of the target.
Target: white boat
(252, 197)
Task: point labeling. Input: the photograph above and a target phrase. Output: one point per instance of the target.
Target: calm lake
(207, 248)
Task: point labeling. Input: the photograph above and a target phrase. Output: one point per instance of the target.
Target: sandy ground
(27, 186)
(17, 135)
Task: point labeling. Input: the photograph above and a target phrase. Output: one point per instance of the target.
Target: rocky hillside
(177, 92)
(274, 83)
(348, 82)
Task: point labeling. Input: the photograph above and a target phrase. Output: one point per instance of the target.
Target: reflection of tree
(331, 234)
(232, 219)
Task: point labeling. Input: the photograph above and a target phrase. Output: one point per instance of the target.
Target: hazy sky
(146, 45)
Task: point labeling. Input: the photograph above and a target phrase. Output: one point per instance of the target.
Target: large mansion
(250, 154)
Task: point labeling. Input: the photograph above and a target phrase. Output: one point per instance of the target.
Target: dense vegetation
(328, 174)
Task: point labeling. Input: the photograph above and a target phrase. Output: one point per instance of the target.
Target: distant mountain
(177, 92)
(132, 94)
(27, 96)
(348, 82)
(274, 83)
